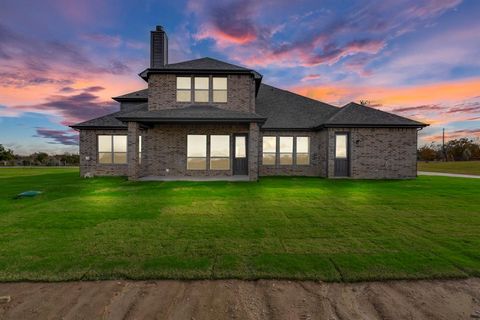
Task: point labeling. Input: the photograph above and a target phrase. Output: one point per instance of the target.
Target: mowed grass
(291, 228)
(462, 167)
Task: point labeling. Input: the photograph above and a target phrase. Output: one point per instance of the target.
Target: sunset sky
(62, 61)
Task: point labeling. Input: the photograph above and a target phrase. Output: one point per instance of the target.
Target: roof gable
(357, 115)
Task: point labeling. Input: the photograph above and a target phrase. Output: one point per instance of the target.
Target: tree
(40, 157)
(462, 149)
(6, 154)
(428, 153)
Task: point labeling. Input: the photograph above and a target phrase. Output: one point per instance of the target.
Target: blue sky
(61, 61)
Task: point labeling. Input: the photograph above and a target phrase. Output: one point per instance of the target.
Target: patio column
(132, 150)
(253, 141)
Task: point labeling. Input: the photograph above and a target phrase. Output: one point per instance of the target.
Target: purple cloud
(428, 107)
(73, 108)
(34, 61)
(65, 137)
(261, 33)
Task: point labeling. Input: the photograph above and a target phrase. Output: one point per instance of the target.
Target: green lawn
(464, 167)
(296, 228)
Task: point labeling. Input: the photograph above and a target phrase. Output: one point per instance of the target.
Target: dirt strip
(234, 299)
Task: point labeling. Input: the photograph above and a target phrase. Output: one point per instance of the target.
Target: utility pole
(443, 145)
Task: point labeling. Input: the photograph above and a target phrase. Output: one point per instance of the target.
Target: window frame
(112, 151)
(220, 90)
(280, 153)
(210, 157)
(270, 152)
(302, 153)
(189, 90)
(198, 157)
(347, 145)
(202, 90)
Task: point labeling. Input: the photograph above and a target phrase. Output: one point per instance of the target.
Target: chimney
(158, 48)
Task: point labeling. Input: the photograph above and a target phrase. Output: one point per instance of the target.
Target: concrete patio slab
(201, 179)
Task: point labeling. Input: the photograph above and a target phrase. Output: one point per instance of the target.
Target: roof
(287, 110)
(202, 65)
(191, 113)
(140, 95)
(109, 121)
(278, 109)
(206, 63)
(357, 115)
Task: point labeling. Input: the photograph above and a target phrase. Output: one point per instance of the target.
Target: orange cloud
(444, 92)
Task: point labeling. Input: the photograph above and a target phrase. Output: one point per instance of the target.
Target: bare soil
(235, 299)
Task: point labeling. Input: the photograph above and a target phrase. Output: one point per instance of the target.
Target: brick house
(208, 118)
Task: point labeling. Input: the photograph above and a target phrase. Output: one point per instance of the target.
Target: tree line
(463, 149)
(9, 158)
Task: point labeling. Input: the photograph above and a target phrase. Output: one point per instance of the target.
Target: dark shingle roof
(280, 108)
(136, 95)
(287, 110)
(357, 115)
(109, 120)
(191, 113)
(205, 64)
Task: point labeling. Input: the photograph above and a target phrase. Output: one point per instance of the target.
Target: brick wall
(162, 93)
(165, 147)
(88, 148)
(317, 165)
(378, 153)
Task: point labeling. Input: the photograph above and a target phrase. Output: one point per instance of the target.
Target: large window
(341, 145)
(219, 89)
(202, 89)
(286, 150)
(112, 149)
(269, 150)
(303, 151)
(219, 152)
(196, 152)
(184, 89)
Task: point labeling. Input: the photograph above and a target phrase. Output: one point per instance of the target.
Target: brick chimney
(158, 48)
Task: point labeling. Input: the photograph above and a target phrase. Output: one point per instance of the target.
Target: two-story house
(209, 118)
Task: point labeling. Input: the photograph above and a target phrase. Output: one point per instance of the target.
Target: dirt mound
(234, 299)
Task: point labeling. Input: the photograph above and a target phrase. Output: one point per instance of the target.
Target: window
(269, 150)
(196, 152)
(341, 145)
(112, 149)
(139, 149)
(184, 89)
(201, 89)
(220, 152)
(240, 147)
(286, 150)
(219, 89)
(303, 151)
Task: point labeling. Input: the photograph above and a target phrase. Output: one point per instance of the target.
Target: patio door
(240, 155)
(342, 155)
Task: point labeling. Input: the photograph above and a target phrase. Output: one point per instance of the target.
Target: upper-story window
(184, 89)
(202, 89)
(219, 89)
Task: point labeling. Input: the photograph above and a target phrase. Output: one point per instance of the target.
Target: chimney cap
(159, 28)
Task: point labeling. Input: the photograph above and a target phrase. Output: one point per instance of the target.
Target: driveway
(444, 174)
